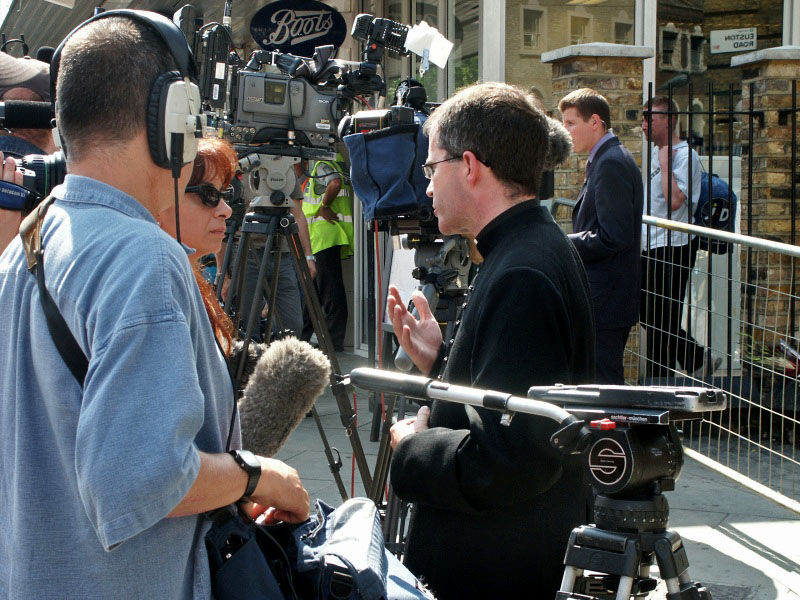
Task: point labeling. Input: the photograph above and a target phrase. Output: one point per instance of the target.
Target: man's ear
(473, 165)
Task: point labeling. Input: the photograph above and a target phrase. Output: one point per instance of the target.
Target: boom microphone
(21, 114)
(288, 377)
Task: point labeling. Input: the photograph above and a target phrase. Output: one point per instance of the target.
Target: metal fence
(738, 314)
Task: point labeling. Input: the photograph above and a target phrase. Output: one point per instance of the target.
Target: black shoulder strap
(31, 233)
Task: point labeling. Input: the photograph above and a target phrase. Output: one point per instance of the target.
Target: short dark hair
(587, 102)
(664, 102)
(106, 73)
(502, 126)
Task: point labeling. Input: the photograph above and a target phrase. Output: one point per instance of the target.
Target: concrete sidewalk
(741, 545)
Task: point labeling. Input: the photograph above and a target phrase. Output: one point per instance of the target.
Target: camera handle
(437, 273)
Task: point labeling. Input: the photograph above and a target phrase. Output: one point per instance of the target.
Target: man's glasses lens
(209, 195)
(428, 170)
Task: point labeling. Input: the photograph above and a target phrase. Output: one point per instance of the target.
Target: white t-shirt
(658, 203)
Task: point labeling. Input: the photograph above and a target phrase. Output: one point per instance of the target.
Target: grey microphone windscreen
(559, 144)
(254, 352)
(286, 380)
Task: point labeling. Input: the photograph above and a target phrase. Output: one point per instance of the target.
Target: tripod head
(630, 447)
(631, 450)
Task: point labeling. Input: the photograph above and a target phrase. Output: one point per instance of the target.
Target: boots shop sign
(297, 26)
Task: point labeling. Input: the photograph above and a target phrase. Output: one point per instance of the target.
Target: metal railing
(736, 331)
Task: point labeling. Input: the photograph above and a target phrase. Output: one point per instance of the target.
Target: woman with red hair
(203, 212)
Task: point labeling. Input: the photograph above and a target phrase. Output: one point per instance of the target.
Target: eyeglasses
(428, 170)
(209, 195)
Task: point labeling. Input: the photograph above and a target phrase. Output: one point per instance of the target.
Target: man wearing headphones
(104, 478)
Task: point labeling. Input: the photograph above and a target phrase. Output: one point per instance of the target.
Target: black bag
(246, 560)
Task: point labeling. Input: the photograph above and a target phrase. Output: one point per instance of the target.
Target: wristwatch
(252, 466)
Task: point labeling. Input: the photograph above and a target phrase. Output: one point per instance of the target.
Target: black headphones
(173, 110)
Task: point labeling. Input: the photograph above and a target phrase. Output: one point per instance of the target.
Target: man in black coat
(494, 504)
(606, 225)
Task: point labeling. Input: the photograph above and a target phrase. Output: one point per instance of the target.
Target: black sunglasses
(209, 195)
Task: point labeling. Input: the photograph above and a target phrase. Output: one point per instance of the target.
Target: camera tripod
(442, 268)
(627, 536)
(273, 224)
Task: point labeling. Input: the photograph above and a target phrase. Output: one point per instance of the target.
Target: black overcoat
(495, 504)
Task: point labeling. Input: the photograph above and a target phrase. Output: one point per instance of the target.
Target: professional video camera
(278, 118)
(631, 452)
(40, 174)
(302, 104)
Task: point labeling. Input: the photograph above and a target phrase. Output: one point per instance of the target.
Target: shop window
(623, 33)
(532, 29)
(579, 30)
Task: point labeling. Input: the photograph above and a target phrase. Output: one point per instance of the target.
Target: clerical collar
(483, 239)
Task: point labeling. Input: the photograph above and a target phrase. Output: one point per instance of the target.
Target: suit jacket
(607, 226)
(495, 504)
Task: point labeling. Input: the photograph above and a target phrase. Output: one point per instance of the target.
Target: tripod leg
(384, 456)
(378, 416)
(326, 345)
(392, 526)
(571, 574)
(222, 270)
(273, 292)
(625, 587)
(673, 566)
(335, 465)
(254, 314)
(237, 279)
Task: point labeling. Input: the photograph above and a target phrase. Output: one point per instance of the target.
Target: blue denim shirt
(88, 476)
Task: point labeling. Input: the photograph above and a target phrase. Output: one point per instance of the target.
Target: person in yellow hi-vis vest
(328, 206)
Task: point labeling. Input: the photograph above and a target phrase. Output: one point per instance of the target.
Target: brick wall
(770, 206)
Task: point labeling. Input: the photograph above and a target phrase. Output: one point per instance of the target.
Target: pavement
(740, 544)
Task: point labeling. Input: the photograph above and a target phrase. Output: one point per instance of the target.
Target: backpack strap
(30, 231)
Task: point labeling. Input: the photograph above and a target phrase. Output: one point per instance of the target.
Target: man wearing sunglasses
(501, 491)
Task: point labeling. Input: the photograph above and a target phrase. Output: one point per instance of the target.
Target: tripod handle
(401, 359)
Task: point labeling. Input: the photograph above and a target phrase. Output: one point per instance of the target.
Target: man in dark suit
(607, 227)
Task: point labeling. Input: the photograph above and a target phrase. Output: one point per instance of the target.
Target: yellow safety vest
(325, 234)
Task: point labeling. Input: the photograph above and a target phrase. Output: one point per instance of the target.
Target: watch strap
(252, 466)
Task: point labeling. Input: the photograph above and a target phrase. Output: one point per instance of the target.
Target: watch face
(247, 460)
(252, 466)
